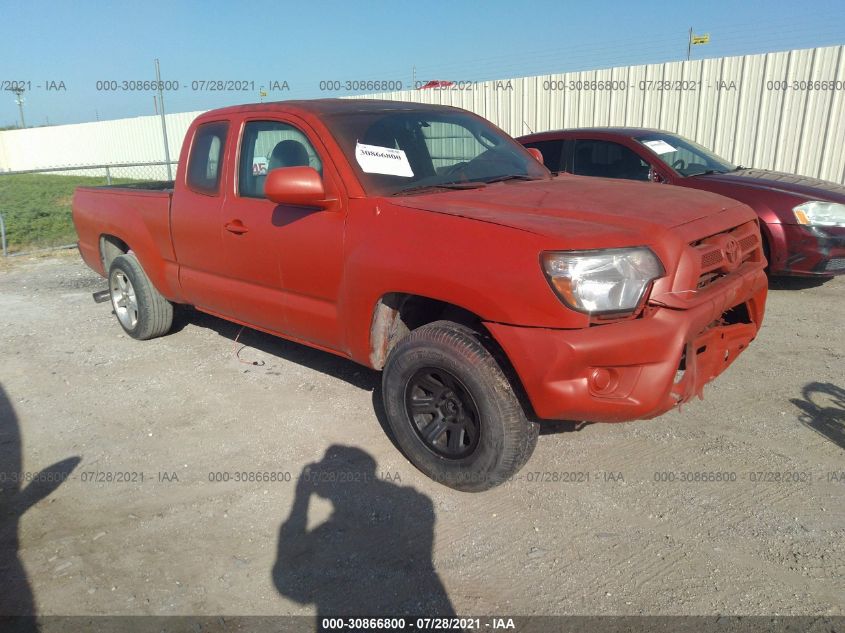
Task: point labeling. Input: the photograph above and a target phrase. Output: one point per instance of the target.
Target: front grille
(710, 259)
(748, 242)
(721, 254)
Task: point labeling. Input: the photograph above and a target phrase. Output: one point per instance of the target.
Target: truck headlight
(607, 280)
(818, 213)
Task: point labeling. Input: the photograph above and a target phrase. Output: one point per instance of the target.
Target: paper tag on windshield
(659, 147)
(383, 160)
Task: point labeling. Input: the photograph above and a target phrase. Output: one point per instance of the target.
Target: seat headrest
(288, 153)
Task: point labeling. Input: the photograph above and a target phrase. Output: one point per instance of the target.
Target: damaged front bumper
(643, 367)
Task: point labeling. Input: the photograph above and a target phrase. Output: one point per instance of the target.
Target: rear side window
(206, 159)
(607, 159)
(552, 153)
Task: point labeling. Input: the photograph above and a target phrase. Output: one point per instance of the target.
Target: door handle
(235, 226)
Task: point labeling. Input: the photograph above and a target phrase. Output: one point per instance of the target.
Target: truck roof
(322, 107)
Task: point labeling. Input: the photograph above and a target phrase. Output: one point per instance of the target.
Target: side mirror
(536, 153)
(298, 186)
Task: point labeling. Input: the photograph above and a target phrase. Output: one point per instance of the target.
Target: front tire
(141, 310)
(453, 411)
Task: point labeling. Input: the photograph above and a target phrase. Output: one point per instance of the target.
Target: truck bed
(139, 210)
(149, 185)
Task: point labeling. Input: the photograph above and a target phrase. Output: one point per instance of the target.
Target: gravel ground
(601, 521)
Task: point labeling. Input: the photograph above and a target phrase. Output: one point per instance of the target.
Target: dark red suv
(802, 219)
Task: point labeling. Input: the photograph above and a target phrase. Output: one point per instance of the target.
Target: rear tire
(141, 310)
(453, 411)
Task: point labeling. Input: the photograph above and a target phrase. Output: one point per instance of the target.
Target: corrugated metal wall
(728, 104)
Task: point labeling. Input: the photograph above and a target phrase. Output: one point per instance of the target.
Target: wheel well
(766, 243)
(397, 314)
(111, 247)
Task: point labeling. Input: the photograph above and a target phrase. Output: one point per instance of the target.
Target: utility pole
(689, 44)
(18, 90)
(414, 80)
(163, 122)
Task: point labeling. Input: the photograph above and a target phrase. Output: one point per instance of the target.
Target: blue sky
(80, 43)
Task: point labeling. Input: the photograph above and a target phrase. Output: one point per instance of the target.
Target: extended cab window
(206, 159)
(607, 159)
(268, 145)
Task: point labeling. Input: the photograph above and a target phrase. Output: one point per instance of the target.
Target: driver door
(285, 261)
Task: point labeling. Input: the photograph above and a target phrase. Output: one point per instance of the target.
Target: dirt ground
(172, 467)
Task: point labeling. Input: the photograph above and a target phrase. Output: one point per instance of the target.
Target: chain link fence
(35, 204)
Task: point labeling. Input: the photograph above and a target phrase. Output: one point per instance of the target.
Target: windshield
(416, 150)
(685, 157)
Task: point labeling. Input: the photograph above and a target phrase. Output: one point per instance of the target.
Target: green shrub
(36, 208)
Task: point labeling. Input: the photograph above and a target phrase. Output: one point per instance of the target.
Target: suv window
(607, 159)
(268, 145)
(552, 153)
(206, 157)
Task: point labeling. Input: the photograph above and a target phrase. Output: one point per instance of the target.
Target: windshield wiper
(709, 172)
(511, 177)
(446, 185)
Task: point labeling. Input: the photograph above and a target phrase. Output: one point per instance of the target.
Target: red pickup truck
(423, 241)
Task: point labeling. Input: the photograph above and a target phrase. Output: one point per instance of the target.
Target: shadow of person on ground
(16, 597)
(823, 410)
(372, 557)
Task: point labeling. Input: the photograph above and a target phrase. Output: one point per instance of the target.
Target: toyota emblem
(731, 253)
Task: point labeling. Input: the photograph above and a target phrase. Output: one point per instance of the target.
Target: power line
(603, 54)
(583, 62)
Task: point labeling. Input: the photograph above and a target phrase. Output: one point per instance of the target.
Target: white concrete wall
(136, 140)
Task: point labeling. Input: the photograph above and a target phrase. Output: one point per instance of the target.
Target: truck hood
(811, 188)
(573, 206)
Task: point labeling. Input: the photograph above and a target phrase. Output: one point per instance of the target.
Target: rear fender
(163, 274)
